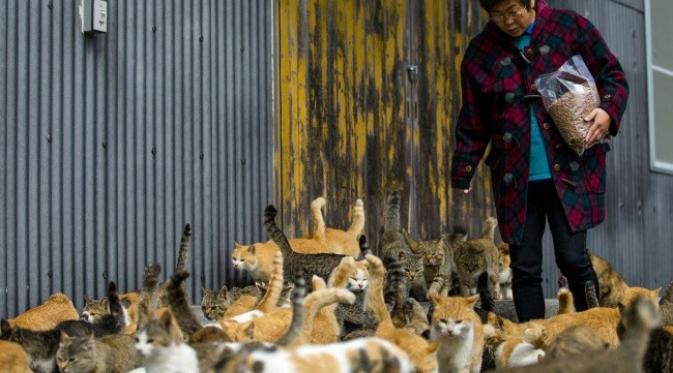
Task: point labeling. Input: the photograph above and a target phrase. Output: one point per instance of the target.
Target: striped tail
(183, 250)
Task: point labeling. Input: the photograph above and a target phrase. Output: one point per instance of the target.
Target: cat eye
(136, 339)
(443, 321)
(150, 340)
(459, 321)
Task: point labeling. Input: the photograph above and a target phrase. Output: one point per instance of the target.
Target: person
(535, 176)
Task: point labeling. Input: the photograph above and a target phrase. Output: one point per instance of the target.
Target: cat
(40, 346)
(112, 322)
(13, 359)
(353, 276)
(635, 324)
(666, 306)
(422, 353)
(521, 351)
(566, 302)
(437, 258)
(659, 356)
(338, 241)
(94, 310)
(505, 272)
(110, 354)
(574, 341)
(417, 318)
(285, 294)
(613, 289)
(158, 341)
(58, 307)
(459, 329)
(476, 257)
(295, 264)
(256, 258)
(214, 304)
(373, 355)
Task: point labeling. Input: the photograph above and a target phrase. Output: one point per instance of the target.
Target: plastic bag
(569, 94)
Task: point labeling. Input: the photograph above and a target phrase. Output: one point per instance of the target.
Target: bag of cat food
(569, 94)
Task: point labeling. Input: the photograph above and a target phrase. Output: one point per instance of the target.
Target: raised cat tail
(391, 216)
(566, 303)
(184, 249)
(115, 307)
(317, 217)
(374, 299)
(297, 323)
(147, 303)
(177, 302)
(275, 287)
(358, 222)
(590, 293)
(489, 229)
(275, 233)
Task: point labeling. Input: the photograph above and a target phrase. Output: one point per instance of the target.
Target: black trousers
(569, 250)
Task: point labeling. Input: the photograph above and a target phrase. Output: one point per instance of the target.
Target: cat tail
(179, 306)
(320, 297)
(116, 309)
(297, 323)
(489, 229)
(391, 215)
(566, 302)
(275, 233)
(487, 302)
(270, 299)
(184, 249)
(147, 302)
(590, 293)
(358, 221)
(374, 298)
(318, 219)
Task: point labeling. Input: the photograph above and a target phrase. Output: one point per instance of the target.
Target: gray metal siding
(111, 143)
(635, 236)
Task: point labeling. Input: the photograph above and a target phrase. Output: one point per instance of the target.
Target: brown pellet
(568, 113)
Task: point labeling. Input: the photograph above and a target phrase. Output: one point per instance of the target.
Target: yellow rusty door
(368, 91)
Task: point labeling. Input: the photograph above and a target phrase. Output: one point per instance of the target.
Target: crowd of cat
(326, 303)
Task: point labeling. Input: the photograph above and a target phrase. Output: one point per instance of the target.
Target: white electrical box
(94, 16)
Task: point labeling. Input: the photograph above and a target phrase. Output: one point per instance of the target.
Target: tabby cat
(214, 304)
(437, 258)
(421, 352)
(112, 322)
(459, 329)
(659, 356)
(40, 346)
(110, 354)
(95, 310)
(256, 259)
(613, 289)
(476, 257)
(636, 322)
(666, 306)
(58, 307)
(13, 358)
(295, 264)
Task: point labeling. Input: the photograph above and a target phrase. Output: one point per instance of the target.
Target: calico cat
(635, 324)
(13, 358)
(459, 329)
(295, 264)
(422, 353)
(476, 257)
(95, 310)
(372, 355)
(256, 259)
(110, 354)
(40, 346)
(613, 289)
(58, 307)
(353, 276)
(112, 322)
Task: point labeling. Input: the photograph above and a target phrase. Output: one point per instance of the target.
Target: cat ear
(64, 336)
(90, 338)
(252, 249)
(204, 290)
(433, 346)
(87, 300)
(237, 245)
(166, 320)
(4, 326)
(222, 294)
(471, 301)
(656, 291)
(250, 332)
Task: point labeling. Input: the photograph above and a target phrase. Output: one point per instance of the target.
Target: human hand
(466, 191)
(600, 128)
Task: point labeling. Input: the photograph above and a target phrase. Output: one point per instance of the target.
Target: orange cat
(458, 327)
(257, 258)
(421, 352)
(13, 358)
(47, 315)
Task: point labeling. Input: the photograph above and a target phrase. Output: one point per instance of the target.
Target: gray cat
(110, 354)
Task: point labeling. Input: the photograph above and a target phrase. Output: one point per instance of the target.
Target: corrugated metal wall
(110, 144)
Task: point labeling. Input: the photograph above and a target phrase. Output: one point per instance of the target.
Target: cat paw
(318, 203)
(375, 264)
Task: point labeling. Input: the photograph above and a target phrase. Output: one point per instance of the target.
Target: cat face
(359, 281)
(94, 310)
(244, 257)
(214, 304)
(76, 354)
(350, 274)
(156, 334)
(413, 266)
(452, 316)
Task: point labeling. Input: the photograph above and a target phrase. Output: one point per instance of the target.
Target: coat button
(544, 49)
(558, 146)
(574, 166)
(529, 53)
(507, 137)
(508, 178)
(557, 167)
(506, 61)
(607, 96)
(468, 169)
(546, 125)
(509, 97)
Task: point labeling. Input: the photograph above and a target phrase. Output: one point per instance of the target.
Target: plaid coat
(498, 90)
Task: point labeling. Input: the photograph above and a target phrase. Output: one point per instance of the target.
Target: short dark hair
(488, 5)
